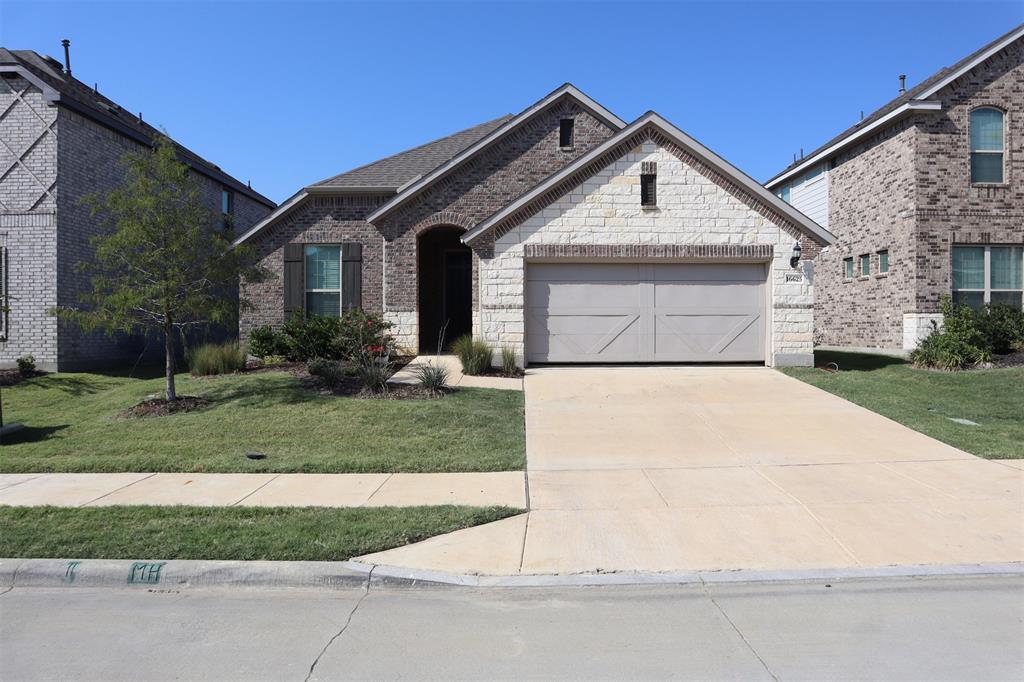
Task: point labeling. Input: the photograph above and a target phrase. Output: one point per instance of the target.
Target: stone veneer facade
(46, 229)
(908, 190)
(695, 219)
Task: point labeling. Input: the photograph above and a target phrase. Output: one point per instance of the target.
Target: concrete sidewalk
(455, 376)
(670, 469)
(505, 488)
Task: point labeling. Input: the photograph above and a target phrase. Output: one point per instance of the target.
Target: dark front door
(458, 295)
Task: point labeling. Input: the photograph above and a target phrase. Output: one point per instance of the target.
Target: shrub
(305, 338)
(962, 341)
(475, 355)
(509, 364)
(361, 335)
(26, 364)
(329, 370)
(432, 377)
(274, 360)
(264, 342)
(216, 358)
(1003, 326)
(374, 373)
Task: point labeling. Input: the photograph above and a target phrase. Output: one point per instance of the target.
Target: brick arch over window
(446, 218)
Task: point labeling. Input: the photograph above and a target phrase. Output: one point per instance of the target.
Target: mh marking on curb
(69, 572)
(146, 573)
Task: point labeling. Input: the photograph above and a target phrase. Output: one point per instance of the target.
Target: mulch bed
(1010, 360)
(159, 407)
(10, 377)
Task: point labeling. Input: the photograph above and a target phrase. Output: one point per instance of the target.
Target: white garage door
(643, 312)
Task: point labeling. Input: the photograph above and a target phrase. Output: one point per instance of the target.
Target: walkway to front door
(661, 469)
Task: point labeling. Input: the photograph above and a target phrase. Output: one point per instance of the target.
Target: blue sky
(286, 94)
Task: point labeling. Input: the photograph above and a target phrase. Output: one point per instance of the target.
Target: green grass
(232, 533)
(924, 400)
(72, 424)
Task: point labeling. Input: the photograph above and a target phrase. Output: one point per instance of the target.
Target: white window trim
(987, 290)
(888, 264)
(973, 151)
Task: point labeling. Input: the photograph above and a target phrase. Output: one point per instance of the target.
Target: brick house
(925, 199)
(59, 141)
(562, 232)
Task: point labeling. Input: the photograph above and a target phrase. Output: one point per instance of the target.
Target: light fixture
(795, 258)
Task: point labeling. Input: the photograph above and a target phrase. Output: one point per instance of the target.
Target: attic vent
(565, 133)
(649, 184)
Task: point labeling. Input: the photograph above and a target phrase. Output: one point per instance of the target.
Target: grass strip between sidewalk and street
(928, 400)
(227, 534)
(73, 424)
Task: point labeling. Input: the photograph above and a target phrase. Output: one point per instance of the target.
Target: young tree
(162, 264)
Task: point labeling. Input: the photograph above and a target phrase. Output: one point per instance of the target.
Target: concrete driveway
(659, 469)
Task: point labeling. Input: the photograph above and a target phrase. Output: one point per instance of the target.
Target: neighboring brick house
(926, 199)
(561, 232)
(60, 140)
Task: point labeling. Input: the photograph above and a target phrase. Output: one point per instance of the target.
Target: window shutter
(294, 280)
(351, 276)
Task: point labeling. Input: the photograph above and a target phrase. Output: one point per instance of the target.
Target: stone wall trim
(715, 252)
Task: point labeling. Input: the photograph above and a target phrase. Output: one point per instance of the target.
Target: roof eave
(368, 189)
(684, 140)
(276, 214)
(896, 114)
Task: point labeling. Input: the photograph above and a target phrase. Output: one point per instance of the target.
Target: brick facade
(908, 189)
(47, 233)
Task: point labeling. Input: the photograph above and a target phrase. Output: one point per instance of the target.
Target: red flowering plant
(364, 337)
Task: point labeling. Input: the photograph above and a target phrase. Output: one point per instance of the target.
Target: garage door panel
(569, 336)
(613, 312)
(583, 294)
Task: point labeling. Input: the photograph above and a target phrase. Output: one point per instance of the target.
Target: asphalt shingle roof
(395, 171)
(107, 109)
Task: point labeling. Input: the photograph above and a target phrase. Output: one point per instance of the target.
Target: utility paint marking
(143, 572)
(69, 572)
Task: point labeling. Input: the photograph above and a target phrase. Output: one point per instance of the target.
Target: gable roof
(394, 171)
(67, 91)
(566, 90)
(913, 99)
(591, 162)
(386, 176)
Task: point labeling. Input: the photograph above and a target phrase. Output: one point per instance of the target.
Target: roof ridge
(413, 149)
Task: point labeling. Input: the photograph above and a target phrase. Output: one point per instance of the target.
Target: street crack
(344, 627)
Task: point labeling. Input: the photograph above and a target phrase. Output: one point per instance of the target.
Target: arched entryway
(445, 274)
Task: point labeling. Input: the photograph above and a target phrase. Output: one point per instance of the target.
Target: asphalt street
(908, 629)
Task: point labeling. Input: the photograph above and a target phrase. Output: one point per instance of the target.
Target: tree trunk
(172, 394)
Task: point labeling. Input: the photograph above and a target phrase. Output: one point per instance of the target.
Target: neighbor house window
(565, 132)
(988, 274)
(848, 268)
(883, 261)
(865, 265)
(784, 194)
(227, 206)
(987, 145)
(323, 280)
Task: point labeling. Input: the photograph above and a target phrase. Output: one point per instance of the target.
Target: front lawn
(73, 423)
(927, 400)
(226, 534)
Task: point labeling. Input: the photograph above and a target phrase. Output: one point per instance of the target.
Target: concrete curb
(331, 575)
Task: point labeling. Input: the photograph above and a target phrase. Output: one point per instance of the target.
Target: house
(926, 199)
(61, 140)
(562, 232)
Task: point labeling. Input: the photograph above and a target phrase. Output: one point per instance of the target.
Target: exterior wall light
(795, 258)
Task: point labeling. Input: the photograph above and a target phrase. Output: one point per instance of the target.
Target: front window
(988, 274)
(227, 206)
(323, 280)
(986, 145)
